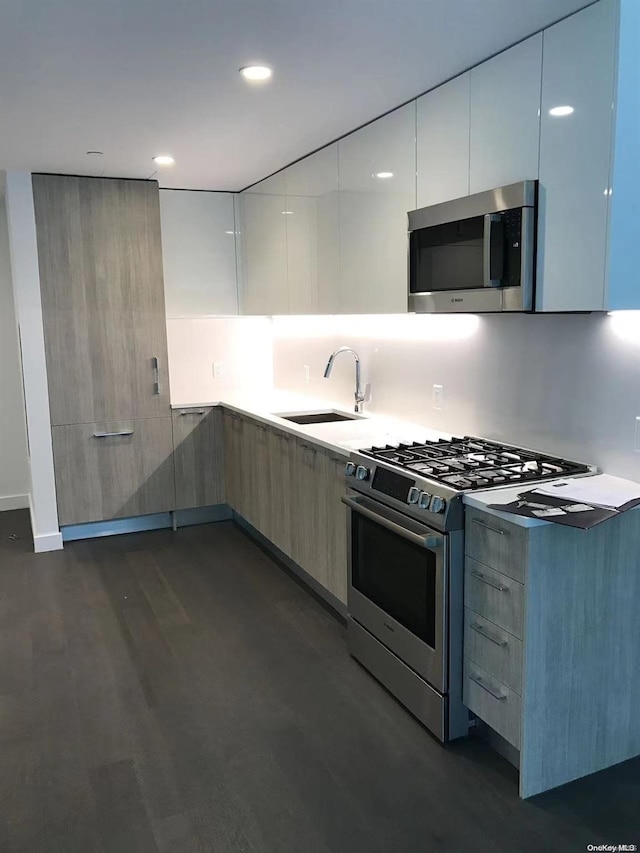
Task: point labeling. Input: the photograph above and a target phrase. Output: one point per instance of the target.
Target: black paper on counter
(557, 510)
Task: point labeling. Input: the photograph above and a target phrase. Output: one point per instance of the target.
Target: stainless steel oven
(475, 254)
(404, 603)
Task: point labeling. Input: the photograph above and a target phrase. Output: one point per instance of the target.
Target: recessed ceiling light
(561, 111)
(164, 160)
(256, 72)
(384, 174)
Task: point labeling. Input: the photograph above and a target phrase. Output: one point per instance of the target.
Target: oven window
(395, 574)
(447, 257)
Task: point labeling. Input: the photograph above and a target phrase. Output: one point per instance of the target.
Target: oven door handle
(429, 539)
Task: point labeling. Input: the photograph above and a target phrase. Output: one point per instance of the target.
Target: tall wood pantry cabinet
(100, 258)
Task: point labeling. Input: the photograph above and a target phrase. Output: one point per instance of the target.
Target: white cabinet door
(198, 253)
(377, 166)
(505, 117)
(443, 142)
(262, 242)
(313, 235)
(578, 72)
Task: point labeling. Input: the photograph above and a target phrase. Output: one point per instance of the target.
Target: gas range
(427, 480)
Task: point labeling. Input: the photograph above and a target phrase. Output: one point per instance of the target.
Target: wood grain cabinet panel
(281, 489)
(496, 543)
(494, 596)
(336, 544)
(494, 649)
(492, 701)
(198, 455)
(100, 258)
(101, 476)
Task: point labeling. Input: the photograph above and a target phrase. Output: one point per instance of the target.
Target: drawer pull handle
(489, 527)
(156, 375)
(261, 428)
(193, 412)
(118, 434)
(495, 584)
(282, 436)
(480, 629)
(309, 448)
(497, 694)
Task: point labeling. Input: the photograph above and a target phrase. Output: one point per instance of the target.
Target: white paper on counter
(600, 490)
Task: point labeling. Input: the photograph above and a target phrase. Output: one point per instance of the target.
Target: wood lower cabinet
(113, 470)
(198, 456)
(551, 642)
(289, 490)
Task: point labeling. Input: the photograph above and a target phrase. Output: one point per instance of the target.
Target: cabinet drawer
(496, 543)
(198, 457)
(492, 701)
(492, 648)
(494, 596)
(113, 470)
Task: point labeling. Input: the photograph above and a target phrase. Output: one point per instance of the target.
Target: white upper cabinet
(198, 253)
(313, 237)
(505, 117)
(377, 168)
(262, 247)
(575, 151)
(443, 142)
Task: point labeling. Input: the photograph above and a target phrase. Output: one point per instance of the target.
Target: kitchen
(213, 398)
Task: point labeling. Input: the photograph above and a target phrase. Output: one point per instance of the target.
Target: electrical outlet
(218, 369)
(437, 396)
(636, 444)
(306, 373)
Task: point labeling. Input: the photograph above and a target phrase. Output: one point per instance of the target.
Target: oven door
(398, 585)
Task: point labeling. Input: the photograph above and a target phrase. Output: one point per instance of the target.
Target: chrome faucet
(327, 372)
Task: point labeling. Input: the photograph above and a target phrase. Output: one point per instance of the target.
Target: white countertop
(341, 437)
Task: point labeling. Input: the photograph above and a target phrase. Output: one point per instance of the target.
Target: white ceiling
(134, 78)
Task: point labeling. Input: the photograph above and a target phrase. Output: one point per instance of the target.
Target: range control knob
(413, 495)
(349, 469)
(362, 473)
(423, 500)
(437, 504)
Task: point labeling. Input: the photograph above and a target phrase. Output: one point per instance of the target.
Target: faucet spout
(359, 395)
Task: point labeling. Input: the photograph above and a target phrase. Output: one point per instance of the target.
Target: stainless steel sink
(319, 417)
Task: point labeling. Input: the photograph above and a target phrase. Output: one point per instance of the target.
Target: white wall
(565, 384)
(14, 466)
(26, 287)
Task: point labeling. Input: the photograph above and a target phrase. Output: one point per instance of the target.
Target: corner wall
(14, 463)
(23, 249)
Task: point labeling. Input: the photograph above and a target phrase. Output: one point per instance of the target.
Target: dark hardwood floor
(180, 692)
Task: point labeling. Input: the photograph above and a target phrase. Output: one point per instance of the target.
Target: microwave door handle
(493, 250)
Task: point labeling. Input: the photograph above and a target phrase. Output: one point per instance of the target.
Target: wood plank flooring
(180, 692)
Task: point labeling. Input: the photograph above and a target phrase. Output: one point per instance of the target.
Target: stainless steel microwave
(475, 254)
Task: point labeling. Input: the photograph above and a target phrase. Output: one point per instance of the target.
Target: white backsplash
(242, 347)
(564, 384)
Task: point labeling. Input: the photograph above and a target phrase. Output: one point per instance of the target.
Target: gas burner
(469, 463)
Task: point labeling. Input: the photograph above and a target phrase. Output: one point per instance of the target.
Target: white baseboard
(47, 542)
(14, 502)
